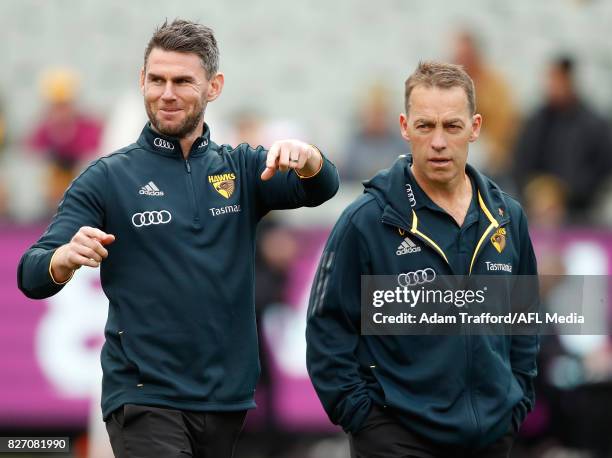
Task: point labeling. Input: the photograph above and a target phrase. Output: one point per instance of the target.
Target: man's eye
(454, 128)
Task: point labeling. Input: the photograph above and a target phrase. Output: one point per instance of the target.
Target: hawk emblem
(499, 239)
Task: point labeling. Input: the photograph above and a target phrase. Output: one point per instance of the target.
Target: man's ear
(476, 125)
(403, 121)
(215, 87)
(142, 80)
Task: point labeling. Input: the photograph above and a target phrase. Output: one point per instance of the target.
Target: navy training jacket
(180, 275)
(452, 389)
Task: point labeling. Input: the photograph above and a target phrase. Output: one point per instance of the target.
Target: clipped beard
(182, 130)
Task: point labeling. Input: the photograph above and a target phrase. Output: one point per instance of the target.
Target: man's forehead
(438, 102)
(162, 60)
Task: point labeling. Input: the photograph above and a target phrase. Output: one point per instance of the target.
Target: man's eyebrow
(423, 121)
(151, 75)
(453, 121)
(189, 78)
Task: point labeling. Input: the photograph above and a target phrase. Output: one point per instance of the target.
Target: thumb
(268, 173)
(108, 239)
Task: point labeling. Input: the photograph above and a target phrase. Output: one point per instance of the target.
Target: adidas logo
(150, 190)
(407, 247)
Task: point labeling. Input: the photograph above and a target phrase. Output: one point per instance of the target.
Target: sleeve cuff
(51, 273)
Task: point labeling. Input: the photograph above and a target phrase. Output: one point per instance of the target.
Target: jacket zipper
(196, 213)
(468, 340)
(494, 225)
(468, 348)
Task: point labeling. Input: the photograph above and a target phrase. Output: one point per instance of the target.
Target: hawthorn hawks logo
(499, 239)
(224, 184)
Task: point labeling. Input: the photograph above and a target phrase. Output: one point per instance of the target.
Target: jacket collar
(398, 194)
(490, 199)
(170, 146)
(412, 198)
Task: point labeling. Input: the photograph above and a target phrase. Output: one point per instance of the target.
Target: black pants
(383, 437)
(152, 432)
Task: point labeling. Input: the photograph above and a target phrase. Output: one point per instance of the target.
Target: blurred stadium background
(331, 72)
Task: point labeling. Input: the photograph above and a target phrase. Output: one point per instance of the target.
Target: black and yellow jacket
(179, 277)
(453, 389)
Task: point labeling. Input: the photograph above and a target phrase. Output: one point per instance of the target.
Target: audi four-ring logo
(150, 218)
(416, 278)
(161, 143)
(410, 195)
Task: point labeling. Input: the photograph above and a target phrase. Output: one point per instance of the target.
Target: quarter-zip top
(179, 276)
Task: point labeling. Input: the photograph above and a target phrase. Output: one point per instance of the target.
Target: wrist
(60, 275)
(313, 165)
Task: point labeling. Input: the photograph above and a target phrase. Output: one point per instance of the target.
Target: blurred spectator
(65, 135)
(567, 139)
(276, 251)
(377, 142)
(546, 203)
(574, 385)
(494, 103)
(248, 128)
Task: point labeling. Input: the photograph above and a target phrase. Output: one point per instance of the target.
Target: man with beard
(171, 222)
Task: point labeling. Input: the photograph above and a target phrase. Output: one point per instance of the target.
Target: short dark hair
(441, 75)
(188, 37)
(565, 64)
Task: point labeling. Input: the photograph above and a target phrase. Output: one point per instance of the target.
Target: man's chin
(178, 128)
(170, 129)
(440, 177)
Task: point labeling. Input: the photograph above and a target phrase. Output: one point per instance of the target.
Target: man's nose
(168, 93)
(438, 142)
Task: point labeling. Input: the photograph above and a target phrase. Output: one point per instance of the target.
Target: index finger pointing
(273, 154)
(94, 233)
